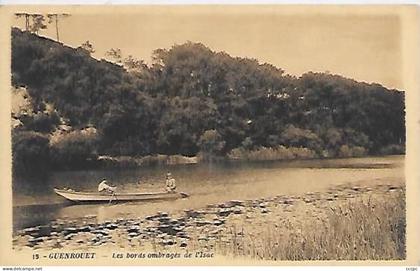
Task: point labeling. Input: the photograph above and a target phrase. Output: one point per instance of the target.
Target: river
(36, 204)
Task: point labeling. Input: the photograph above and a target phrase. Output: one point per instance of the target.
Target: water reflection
(31, 215)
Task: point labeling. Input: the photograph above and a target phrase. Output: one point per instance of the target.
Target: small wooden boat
(98, 197)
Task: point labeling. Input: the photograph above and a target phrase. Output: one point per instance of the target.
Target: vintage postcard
(210, 135)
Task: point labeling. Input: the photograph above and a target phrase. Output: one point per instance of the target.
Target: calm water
(206, 184)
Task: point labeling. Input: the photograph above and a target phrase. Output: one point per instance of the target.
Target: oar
(112, 195)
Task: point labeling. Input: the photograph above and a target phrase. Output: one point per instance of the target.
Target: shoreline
(129, 162)
(172, 160)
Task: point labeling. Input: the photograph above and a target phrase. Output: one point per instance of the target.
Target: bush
(41, 122)
(211, 144)
(75, 150)
(392, 149)
(303, 138)
(345, 143)
(30, 153)
(358, 151)
(247, 144)
(347, 151)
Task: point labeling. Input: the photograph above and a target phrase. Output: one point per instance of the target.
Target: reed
(269, 153)
(360, 229)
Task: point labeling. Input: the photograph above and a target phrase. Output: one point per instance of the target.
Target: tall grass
(268, 153)
(363, 229)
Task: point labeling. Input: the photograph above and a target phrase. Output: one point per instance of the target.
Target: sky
(362, 46)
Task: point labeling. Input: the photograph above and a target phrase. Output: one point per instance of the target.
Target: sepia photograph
(258, 133)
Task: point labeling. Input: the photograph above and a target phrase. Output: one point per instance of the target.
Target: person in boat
(170, 183)
(104, 187)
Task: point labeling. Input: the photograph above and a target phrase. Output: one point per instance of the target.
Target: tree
(27, 17)
(31, 155)
(88, 47)
(115, 55)
(133, 65)
(53, 18)
(33, 22)
(38, 23)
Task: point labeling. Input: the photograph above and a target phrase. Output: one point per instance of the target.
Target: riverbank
(345, 222)
(262, 155)
(105, 161)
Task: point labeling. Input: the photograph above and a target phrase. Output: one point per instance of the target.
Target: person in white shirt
(170, 183)
(104, 187)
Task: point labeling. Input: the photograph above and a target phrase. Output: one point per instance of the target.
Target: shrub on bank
(347, 151)
(41, 122)
(75, 150)
(392, 149)
(271, 153)
(122, 162)
(211, 145)
(31, 154)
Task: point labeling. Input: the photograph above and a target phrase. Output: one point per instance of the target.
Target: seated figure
(170, 183)
(104, 187)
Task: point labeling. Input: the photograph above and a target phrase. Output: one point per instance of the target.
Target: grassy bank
(361, 229)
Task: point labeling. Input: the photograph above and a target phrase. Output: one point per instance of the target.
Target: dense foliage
(191, 99)
(30, 153)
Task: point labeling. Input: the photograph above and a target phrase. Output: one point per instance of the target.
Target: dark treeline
(190, 101)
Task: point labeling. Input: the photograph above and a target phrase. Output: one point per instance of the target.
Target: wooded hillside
(191, 100)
